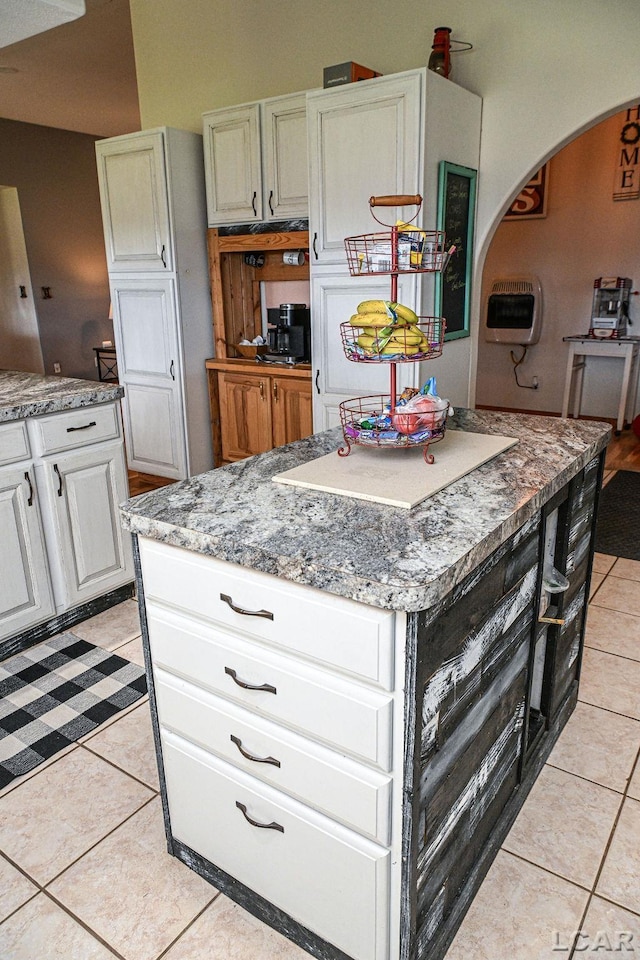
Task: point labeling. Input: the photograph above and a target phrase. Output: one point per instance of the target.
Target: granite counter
(31, 394)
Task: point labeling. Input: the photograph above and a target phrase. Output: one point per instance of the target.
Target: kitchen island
(62, 476)
(351, 701)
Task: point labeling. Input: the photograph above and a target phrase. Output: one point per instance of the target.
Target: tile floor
(84, 874)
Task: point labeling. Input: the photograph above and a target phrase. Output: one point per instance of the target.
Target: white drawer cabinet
(327, 878)
(343, 789)
(327, 707)
(279, 735)
(62, 540)
(347, 636)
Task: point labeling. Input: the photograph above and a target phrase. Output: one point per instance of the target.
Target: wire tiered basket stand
(382, 421)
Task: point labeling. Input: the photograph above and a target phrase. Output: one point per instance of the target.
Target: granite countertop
(32, 394)
(386, 556)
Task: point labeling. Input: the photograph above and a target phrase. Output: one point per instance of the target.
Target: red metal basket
(369, 421)
(401, 344)
(397, 251)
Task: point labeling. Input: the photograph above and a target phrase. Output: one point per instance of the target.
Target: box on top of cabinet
(349, 72)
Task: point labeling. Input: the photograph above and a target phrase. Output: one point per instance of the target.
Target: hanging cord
(516, 364)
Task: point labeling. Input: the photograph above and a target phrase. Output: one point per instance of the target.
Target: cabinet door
(232, 165)
(135, 208)
(146, 331)
(92, 553)
(284, 158)
(245, 415)
(364, 140)
(25, 591)
(291, 410)
(333, 300)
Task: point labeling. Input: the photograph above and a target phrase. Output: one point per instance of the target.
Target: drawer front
(341, 788)
(340, 713)
(323, 875)
(75, 428)
(14, 442)
(349, 636)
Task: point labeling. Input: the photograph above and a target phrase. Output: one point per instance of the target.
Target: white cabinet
(135, 210)
(25, 589)
(153, 207)
(256, 161)
(149, 366)
(278, 744)
(334, 298)
(365, 139)
(381, 137)
(62, 540)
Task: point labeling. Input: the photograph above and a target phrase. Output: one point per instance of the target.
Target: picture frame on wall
(531, 202)
(456, 216)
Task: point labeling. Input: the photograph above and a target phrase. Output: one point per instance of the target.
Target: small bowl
(250, 350)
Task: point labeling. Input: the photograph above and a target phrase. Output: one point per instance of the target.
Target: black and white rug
(55, 693)
(618, 524)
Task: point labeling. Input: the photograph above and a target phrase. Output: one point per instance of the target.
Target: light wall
(546, 70)
(586, 234)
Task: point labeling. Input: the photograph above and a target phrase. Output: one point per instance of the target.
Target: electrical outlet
(56, 368)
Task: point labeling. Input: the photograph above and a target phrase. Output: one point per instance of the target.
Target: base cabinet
(25, 586)
(259, 412)
(62, 540)
(435, 714)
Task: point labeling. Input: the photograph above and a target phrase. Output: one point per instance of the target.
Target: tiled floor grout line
(82, 924)
(579, 776)
(163, 953)
(621, 655)
(551, 873)
(94, 845)
(116, 766)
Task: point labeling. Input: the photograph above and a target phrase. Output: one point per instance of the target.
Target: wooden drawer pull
(254, 823)
(246, 613)
(250, 756)
(85, 426)
(266, 687)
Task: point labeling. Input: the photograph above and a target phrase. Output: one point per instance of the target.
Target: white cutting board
(400, 478)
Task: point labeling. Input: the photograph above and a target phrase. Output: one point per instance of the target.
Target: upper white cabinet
(365, 139)
(153, 207)
(256, 161)
(135, 209)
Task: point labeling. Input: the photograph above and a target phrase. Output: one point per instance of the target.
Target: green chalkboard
(456, 216)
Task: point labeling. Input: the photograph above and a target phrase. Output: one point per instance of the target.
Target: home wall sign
(626, 181)
(531, 202)
(456, 216)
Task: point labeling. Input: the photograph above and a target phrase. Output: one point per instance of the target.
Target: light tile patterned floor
(84, 873)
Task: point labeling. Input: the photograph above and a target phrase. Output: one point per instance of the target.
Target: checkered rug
(55, 693)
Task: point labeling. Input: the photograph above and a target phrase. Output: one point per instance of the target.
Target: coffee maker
(289, 334)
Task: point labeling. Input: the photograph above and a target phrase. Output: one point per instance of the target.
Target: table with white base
(624, 348)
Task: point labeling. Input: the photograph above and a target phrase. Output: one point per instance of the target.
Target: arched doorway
(585, 234)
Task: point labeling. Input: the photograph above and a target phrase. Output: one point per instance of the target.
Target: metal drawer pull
(254, 823)
(83, 427)
(250, 756)
(266, 687)
(30, 497)
(246, 613)
(55, 467)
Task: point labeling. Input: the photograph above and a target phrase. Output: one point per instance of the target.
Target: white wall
(546, 70)
(586, 234)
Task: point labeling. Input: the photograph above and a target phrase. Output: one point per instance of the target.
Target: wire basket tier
(395, 342)
(396, 251)
(371, 422)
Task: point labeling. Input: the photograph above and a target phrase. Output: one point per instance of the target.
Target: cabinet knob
(253, 204)
(270, 203)
(262, 389)
(264, 687)
(59, 475)
(162, 256)
(275, 391)
(255, 823)
(251, 756)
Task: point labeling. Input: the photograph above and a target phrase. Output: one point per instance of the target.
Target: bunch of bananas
(388, 329)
